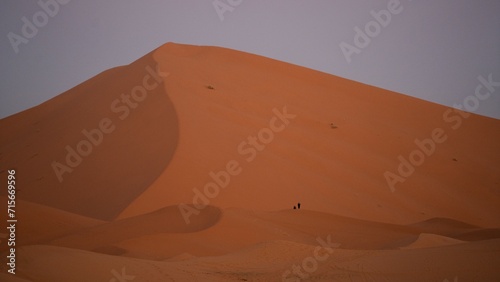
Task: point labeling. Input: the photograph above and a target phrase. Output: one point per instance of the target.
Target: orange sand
(117, 211)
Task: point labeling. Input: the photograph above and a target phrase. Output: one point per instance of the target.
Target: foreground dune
(270, 261)
(186, 165)
(242, 245)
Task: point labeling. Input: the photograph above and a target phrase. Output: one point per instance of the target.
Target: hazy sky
(434, 50)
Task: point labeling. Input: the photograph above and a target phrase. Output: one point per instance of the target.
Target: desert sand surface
(186, 165)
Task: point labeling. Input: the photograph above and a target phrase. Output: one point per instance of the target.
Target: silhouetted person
(298, 205)
(294, 207)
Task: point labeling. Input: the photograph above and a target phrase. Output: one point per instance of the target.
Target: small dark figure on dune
(298, 205)
(294, 207)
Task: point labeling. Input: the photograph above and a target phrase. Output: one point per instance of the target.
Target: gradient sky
(434, 50)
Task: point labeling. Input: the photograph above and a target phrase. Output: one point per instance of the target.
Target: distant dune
(186, 165)
(431, 240)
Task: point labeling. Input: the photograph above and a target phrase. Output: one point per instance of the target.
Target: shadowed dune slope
(96, 147)
(479, 234)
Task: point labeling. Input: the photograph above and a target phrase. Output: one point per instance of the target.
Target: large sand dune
(186, 164)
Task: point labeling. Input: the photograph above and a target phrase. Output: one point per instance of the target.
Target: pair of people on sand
(298, 205)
